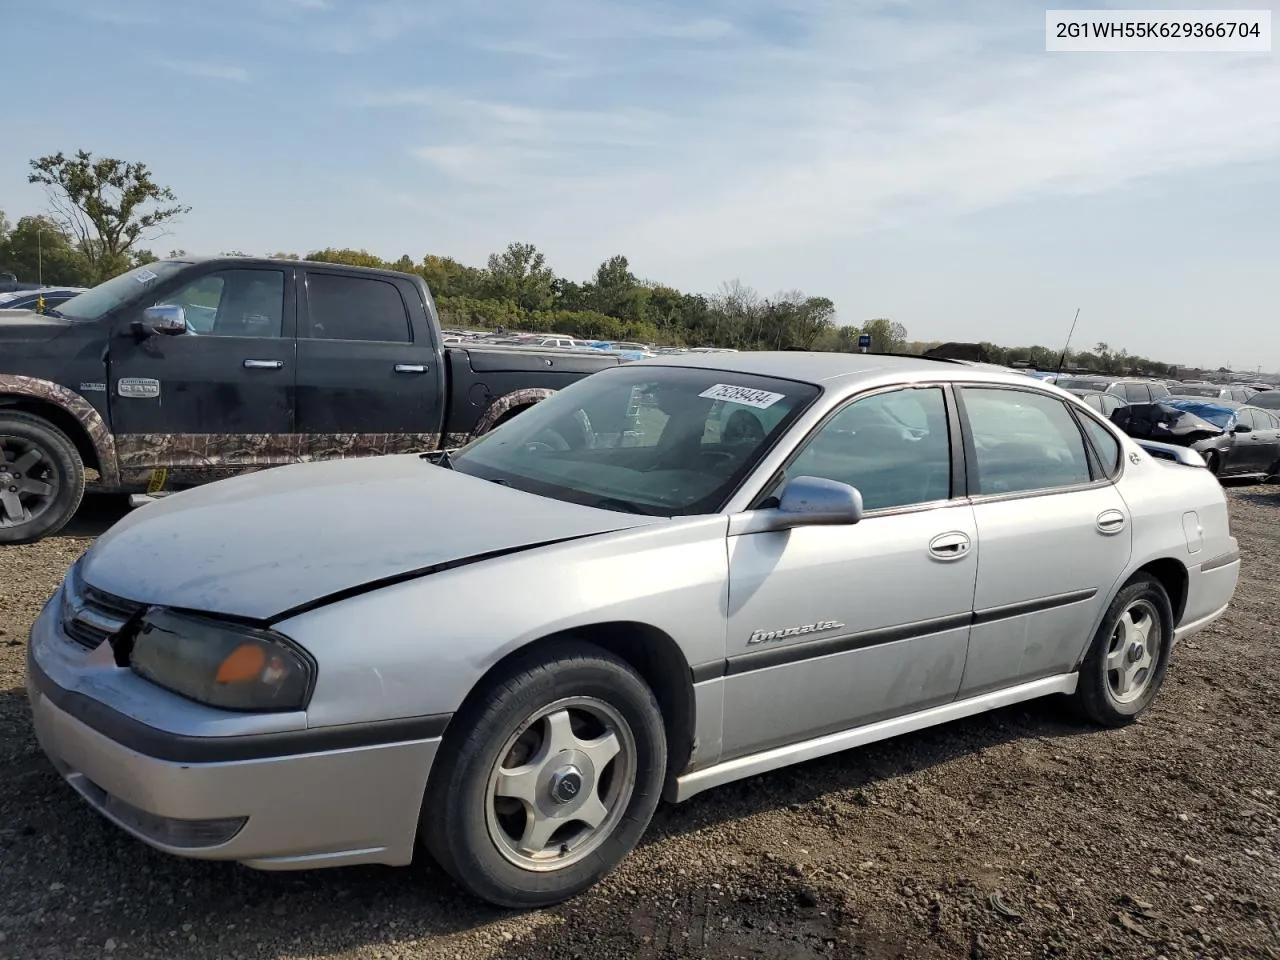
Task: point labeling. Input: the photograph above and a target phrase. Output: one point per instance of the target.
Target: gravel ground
(1017, 834)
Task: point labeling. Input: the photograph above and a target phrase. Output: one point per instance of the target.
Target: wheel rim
(561, 784)
(29, 481)
(1134, 651)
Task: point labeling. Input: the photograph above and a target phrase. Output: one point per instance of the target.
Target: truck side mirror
(165, 318)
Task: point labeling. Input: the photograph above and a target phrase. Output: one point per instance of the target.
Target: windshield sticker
(146, 276)
(760, 399)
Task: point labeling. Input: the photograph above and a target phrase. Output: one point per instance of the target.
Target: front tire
(41, 478)
(1213, 461)
(1126, 663)
(547, 779)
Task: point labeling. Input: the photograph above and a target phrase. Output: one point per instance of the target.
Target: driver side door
(832, 627)
(219, 398)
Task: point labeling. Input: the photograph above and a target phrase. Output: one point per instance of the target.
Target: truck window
(232, 303)
(356, 308)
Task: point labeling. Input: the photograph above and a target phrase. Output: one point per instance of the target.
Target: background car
(1239, 394)
(1268, 400)
(28, 299)
(1105, 403)
(1250, 439)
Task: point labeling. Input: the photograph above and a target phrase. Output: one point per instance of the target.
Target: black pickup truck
(189, 370)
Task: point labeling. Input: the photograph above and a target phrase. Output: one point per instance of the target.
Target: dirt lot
(1015, 834)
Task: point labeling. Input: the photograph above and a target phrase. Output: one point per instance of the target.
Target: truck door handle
(949, 546)
(264, 364)
(411, 368)
(1111, 521)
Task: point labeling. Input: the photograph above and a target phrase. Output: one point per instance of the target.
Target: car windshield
(105, 297)
(667, 441)
(1192, 391)
(1216, 414)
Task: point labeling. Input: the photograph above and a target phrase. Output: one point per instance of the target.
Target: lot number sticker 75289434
(761, 399)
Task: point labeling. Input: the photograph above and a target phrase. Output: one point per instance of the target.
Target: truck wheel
(41, 478)
(547, 779)
(1125, 666)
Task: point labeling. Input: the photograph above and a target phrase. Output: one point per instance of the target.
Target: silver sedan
(666, 577)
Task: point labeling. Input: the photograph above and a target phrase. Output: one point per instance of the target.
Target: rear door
(1054, 534)
(369, 380)
(219, 398)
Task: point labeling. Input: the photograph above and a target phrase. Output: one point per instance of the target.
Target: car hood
(27, 326)
(265, 543)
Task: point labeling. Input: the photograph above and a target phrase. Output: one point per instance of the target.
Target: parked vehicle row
(711, 566)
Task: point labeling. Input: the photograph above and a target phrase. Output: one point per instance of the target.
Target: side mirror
(165, 318)
(1242, 428)
(814, 501)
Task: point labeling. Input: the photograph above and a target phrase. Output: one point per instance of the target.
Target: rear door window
(1023, 441)
(355, 308)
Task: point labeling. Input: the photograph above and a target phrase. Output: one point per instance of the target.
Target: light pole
(40, 255)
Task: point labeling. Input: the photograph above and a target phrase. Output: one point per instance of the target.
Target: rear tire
(1126, 663)
(547, 779)
(41, 478)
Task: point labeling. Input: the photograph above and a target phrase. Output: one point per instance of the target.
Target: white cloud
(823, 119)
(210, 71)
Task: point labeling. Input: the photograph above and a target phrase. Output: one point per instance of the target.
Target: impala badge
(786, 633)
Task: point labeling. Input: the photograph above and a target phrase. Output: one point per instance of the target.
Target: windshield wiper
(439, 457)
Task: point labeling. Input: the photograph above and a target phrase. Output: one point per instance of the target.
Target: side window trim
(1097, 467)
(959, 488)
(971, 451)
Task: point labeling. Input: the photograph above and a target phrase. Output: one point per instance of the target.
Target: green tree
(345, 255)
(36, 250)
(447, 277)
(520, 274)
(886, 335)
(615, 291)
(106, 205)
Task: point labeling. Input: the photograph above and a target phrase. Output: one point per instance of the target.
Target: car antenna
(1063, 359)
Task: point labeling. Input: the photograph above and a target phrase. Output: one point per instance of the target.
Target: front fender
(420, 647)
(95, 428)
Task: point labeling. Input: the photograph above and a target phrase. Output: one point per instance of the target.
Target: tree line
(101, 211)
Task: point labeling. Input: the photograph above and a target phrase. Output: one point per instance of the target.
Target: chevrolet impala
(667, 576)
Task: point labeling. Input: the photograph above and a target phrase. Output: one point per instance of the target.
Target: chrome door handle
(949, 546)
(411, 368)
(264, 364)
(1111, 521)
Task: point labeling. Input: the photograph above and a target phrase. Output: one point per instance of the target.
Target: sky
(927, 162)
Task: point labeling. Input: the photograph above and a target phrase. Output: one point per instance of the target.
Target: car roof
(824, 368)
(1207, 402)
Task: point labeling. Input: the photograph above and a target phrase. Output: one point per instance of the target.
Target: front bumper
(307, 808)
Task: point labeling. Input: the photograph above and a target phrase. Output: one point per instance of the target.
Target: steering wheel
(548, 441)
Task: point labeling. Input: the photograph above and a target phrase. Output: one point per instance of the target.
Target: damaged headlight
(220, 664)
